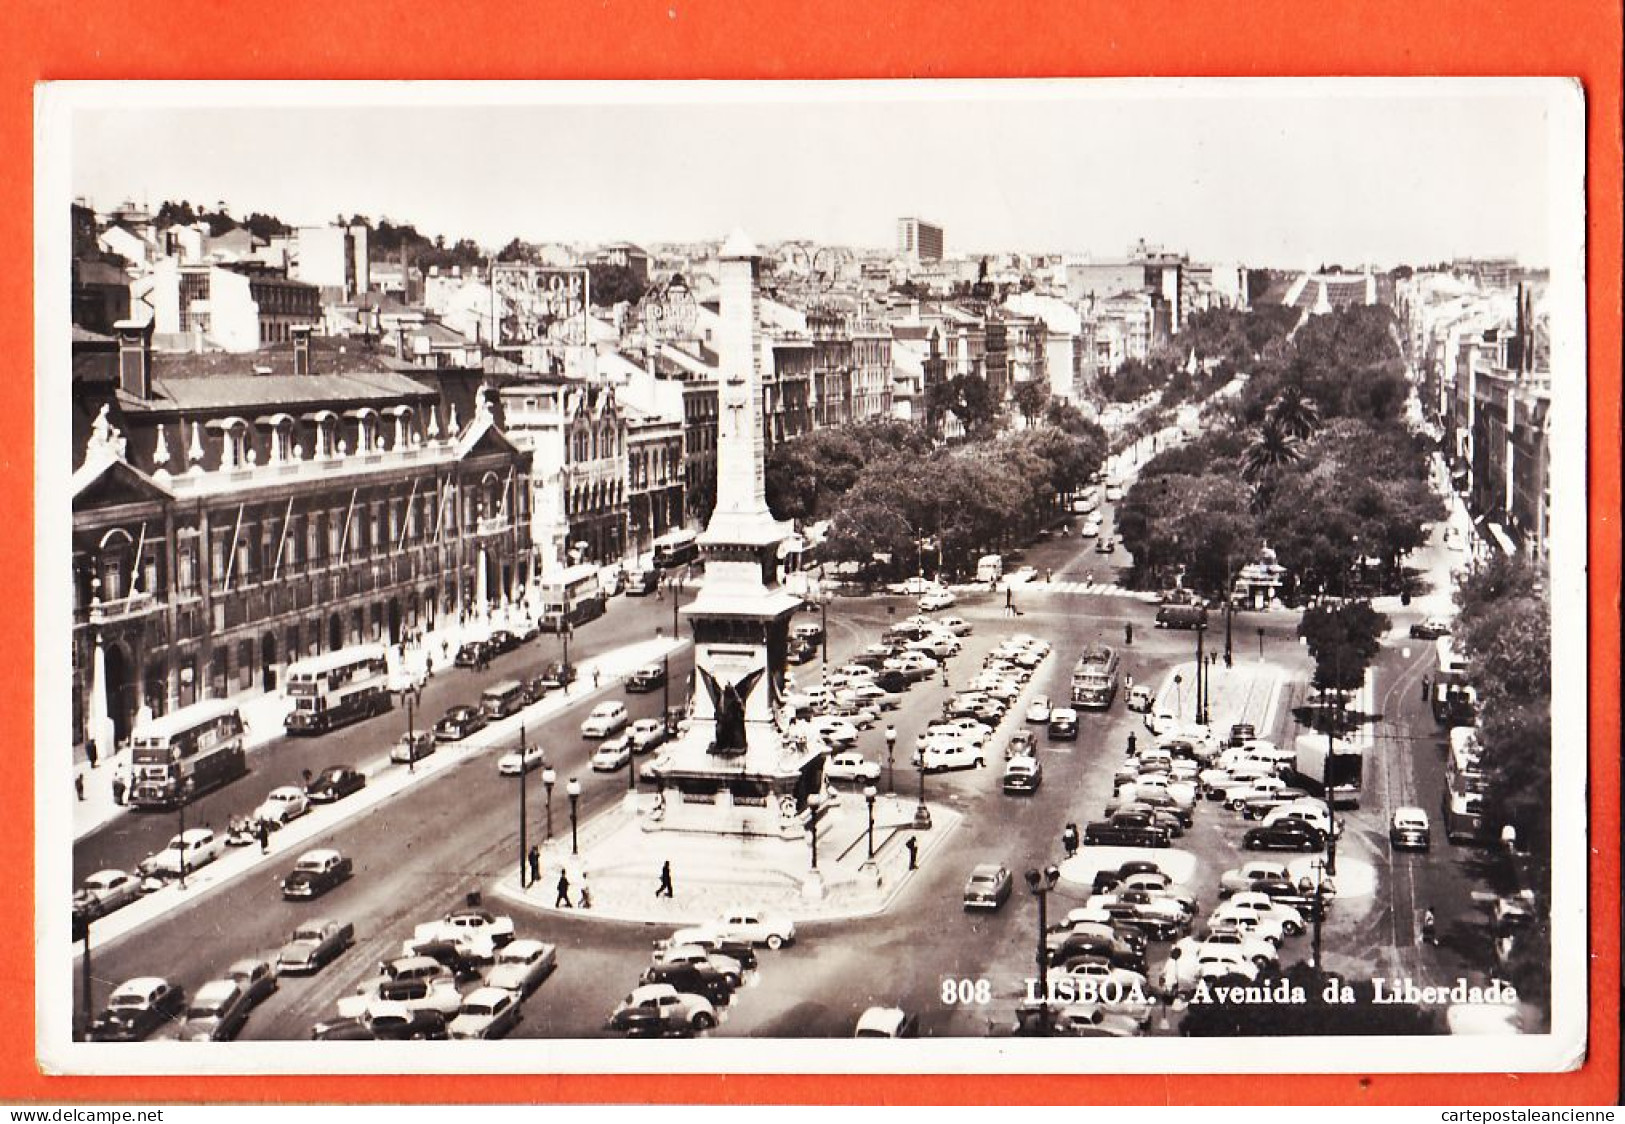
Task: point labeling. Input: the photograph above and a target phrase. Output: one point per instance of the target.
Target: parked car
(458, 723)
(612, 754)
(747, 926)
(315, 873)
(1430, 629)
(1039, 710)
(488, 1012)
(196, 846)
(650, 677)
(522, 965)
(1286, 835)
(533, 756)
(606, 718)
(800, 651)
(413, 747)
(691, 979)
(314, 945)
(335, 783)
(284, 803)
(988, 886)
(256, 977)
(1022, 775)
(646, 734)
(851, 767)
(1127, 829)
(1409, 828)
(473, 930)
(887, 1022)
(216, 1014)
(742, 953)
(137, 1008)
(558, 676)
(665, 1003)
(392, 1022)
(473, 653)
(938, 599)
(503, 641)
(103, 892)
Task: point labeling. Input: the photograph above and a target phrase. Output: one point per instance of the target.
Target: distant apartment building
(871, 383)
(918, 240)
(334, 259)
(236, 307)
(832, 366)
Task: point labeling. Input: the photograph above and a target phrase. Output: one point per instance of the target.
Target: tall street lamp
(1041, 882)
(180, 839)
(922, 814)
(573, 790)
(550, 777)
(891, 748)
(1201, 675)
(524, 772)
(815, 804)
(869, 796)
(411, 740)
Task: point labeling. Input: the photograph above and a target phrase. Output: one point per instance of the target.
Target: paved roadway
(418, 854)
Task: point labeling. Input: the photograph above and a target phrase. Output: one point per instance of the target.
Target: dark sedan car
(1430, 629)
(314, 874)
(314, 945)
(334, 784)
(503, 641)
(1288, 835)
(1127, 829)
(459, 722)
(404, 1025)
(649, 678)
(799, 651)
(473, 653)
(691, 979)
(558, 676)
(647, 1022)
(137, 1008)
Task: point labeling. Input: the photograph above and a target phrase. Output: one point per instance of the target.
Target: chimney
(134, 358)
(301, 349)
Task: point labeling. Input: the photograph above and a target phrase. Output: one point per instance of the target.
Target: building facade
(918, 240)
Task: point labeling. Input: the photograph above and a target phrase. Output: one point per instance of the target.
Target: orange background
(475, 39)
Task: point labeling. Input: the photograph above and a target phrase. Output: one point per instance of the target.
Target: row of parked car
(695, 973)
(465, 975)
(971, 717)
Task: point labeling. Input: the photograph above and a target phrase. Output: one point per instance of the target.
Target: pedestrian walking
(1128, 635)
(91, 752)
(595, 677)
(584, 900)
(120, 784)
(1169, 980)
(535, 858)
(307, 776)
(1009, 598)
(1426, 684)
(944, 673)
(664, 889)
(1069, 839)
(79, 786)
(1128, 682)
(264, 835)
(1430, 934)
(1132, 741)
(562, 901)
(913, 849)
(1048, 575)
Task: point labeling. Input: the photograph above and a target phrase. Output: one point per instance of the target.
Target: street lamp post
(180, 840)
(815, 803)
(572, 789)
(823, 627)
(665, 693)
(568, 673)
(1229, 602)
(549, 779)
(1041, 882)
(869, 797)
(891, 748)
(1201, 675)
(411, 738)
(922, 814)
(524, 771)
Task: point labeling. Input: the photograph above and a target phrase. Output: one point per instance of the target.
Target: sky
(1289, 175)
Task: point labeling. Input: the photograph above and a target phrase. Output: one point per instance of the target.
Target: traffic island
(619, 862)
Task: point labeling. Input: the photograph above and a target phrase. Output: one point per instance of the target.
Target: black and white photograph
(715, 574)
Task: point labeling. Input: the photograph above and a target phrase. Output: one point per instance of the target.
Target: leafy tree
(518, 251)
(968, 398)
(1343, 639)
(1030, 398)
(612, 284)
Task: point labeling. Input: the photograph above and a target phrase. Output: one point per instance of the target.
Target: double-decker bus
(1462, 803)
(676, 548)
(186, 752)
(569, 598)
(1094, 678)
(337, 688)
(1455, 702)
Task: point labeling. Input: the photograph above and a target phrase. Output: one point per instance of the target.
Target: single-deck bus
(1094, 678)
(676, 548)
(179, 755)
(572, 596)
(331, 690)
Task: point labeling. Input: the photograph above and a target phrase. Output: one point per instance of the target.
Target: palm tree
(1271, 449)
(1295, 412)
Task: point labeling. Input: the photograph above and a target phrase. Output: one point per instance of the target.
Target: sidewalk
(621, 861)
(263, 712)
(1248, 692)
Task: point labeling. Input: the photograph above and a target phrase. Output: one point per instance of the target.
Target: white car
(867, 694)
(1290, 920)
(522, 965)
(487, 1012)
(836, 731)
(1242, 877)
(1216, 963)
(474, 931)
(949, 753)
(1312, 813)
(512, 764)
(1162, 722)
(968, 729)
(941, 645)
(282, 804)
(1249, 920)
(752, 927)
(613, 754)
(1227, 939)
(646, 733)
(607, 718)
(852, 675)
(938, 599)
(851, 767)
(911, 663)
(959, 626)
(199, 846)
(673, 1007)
(915, 587)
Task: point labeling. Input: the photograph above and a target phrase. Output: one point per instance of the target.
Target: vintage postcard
(641, 577)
